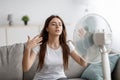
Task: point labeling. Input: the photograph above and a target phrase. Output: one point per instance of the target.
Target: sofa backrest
(11, 62)
(11, 65)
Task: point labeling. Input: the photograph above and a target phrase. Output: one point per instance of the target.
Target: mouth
(57, 30)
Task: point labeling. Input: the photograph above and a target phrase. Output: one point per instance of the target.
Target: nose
(57, 25)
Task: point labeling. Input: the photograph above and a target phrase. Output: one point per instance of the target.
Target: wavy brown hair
(63, 43)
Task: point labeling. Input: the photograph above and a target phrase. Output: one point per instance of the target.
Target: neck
(53, 42)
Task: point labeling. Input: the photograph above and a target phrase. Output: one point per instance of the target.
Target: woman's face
(55, 27)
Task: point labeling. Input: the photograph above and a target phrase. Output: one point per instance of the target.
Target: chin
(57, 34)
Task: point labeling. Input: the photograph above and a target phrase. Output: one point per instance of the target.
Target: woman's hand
(29, 56)
(82, 32)
(31, 43)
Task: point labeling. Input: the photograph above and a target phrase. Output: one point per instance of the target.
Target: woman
(53, 51)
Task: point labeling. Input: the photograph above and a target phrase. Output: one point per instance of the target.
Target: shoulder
(71, 45)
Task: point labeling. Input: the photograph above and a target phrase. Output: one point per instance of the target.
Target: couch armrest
(116, 72)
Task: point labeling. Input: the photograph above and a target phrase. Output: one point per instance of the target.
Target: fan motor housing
(101, 39)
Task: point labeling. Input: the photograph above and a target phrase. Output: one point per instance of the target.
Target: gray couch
(11, 65)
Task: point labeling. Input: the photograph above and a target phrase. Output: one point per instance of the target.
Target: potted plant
(25, 18)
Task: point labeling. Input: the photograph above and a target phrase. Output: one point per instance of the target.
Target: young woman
(53, 51)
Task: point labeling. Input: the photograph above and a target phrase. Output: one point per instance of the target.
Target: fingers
(39, 43)
(28, 38)
(36, 37)
(82, 32)
(35, 40)
(39, 39)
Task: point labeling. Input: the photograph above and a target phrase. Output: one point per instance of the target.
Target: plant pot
(25, 22)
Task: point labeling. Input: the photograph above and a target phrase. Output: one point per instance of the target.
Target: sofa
(11, 66)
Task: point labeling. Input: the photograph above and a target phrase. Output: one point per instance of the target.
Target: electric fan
(92, 38)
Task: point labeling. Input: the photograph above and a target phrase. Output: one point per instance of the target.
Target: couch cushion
(94, 71)
(11, 62)
(74, 69)
(76, 79)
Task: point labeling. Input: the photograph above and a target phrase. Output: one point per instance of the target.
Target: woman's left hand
(82, 32)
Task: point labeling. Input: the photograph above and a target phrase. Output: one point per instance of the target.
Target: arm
(74, 53)
(78, 58)
(29, 56)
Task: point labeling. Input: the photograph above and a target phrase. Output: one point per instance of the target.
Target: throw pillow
(11, 62)
(94, 71)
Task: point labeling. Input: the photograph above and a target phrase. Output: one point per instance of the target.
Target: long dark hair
(62, 39)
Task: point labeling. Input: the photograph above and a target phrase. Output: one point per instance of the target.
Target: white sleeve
(36, 49)
(71, 46)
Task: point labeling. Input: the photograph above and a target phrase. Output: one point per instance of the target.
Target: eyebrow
(55, 22)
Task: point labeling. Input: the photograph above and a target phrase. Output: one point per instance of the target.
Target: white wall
(39, 10)
(109, 9)
(113, 16)
(70, 10)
